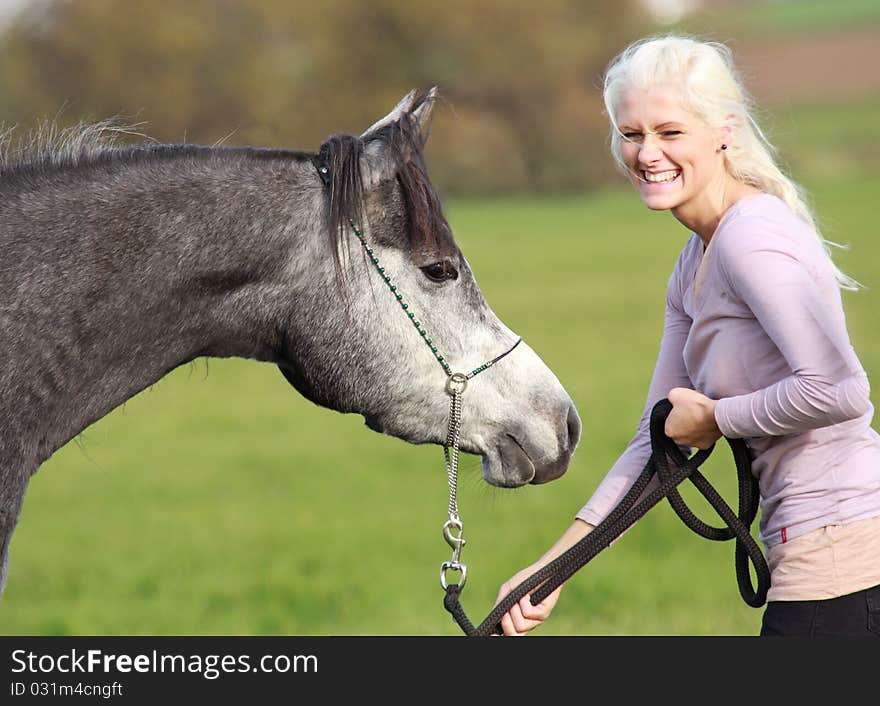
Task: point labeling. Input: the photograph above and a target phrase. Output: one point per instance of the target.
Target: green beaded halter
(412, 317)
(455, 386)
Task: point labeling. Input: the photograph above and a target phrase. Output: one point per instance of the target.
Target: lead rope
(456, 383)
(630, 509)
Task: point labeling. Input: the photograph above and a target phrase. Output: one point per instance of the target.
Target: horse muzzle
(517, 459)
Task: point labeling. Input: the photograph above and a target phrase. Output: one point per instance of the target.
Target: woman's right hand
(524, 617)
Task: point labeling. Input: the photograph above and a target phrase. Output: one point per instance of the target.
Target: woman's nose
(649, 150)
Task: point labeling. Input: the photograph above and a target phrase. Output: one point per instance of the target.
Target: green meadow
(219, 501)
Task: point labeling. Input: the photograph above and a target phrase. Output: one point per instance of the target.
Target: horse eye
(440, 271)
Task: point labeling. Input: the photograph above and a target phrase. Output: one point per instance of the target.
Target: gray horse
(120, 263)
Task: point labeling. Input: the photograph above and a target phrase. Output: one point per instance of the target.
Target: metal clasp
(456, 541)
(453, 534)
(453, 566)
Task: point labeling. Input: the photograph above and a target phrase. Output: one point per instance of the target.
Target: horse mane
(48, 145)
(405, 145)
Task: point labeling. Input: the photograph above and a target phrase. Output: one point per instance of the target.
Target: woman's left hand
(692, 419)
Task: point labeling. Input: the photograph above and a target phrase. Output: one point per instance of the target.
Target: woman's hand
(692, 419)
(523, 616)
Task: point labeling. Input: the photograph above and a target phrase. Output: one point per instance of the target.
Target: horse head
(379, 332)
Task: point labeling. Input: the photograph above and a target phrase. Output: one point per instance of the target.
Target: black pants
(852, 615)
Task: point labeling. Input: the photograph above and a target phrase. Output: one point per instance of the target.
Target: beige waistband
(828, 562)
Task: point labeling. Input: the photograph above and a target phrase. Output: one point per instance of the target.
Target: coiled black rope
(671, 467)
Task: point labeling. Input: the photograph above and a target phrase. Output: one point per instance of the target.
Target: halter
(456, 384)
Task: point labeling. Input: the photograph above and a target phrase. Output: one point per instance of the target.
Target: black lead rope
(630, 509)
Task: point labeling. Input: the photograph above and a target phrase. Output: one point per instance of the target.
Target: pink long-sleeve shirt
(757, 323)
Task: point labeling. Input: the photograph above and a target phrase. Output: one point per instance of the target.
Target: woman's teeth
(661, 177)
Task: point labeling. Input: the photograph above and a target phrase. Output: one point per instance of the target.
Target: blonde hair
(712, 89)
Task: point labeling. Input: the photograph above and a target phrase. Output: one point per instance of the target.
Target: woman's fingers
(524, 617)
(692, 419)
(537, 613)
(515, 624)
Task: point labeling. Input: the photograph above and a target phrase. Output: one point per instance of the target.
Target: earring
(724, 147)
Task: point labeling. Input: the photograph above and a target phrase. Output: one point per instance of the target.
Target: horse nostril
(574, 428)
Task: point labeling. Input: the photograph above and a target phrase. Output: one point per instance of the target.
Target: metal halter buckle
(457, 383)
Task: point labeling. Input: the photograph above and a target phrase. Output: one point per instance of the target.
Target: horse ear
(378, 165)
(422, 113)
(404, 106)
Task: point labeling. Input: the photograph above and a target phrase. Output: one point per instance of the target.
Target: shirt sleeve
(790, 290)
(669, 372)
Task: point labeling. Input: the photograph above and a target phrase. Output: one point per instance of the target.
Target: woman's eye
(672, 133)
(440, 271)
(632, 135)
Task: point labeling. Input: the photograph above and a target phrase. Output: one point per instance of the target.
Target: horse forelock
(403, 142)
(428, 228)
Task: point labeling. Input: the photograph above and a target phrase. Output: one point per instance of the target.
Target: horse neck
(116, 275)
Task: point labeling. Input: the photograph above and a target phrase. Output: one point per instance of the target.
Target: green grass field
(221, 502)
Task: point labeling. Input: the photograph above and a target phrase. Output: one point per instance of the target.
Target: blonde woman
(754, 346)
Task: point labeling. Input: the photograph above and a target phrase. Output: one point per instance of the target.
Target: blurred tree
(520, 78)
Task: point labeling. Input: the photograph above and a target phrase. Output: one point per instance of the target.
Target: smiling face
(673, 158)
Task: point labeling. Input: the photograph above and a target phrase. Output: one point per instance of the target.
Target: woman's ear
(729, 131)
